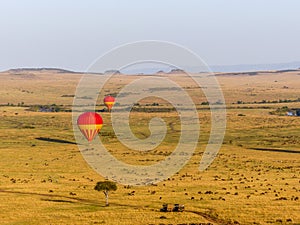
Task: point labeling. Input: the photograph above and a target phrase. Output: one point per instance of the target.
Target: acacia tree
(106, 186)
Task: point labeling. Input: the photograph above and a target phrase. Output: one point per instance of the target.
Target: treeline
(268, 101)
(280, 111)
(41, 108)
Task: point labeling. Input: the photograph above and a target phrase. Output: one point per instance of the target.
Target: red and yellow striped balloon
(109, 101)
(90, 124)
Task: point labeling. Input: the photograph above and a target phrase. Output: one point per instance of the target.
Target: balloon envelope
(109, 101)
(90, 123)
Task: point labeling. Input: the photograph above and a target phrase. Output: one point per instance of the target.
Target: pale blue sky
(72, 34)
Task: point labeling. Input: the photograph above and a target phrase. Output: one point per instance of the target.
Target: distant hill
(112, 72)
(176, 71)
(53, 70)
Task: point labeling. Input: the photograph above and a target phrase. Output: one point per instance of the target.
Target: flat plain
(255, 179)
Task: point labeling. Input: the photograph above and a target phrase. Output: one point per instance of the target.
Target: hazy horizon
(214, 68)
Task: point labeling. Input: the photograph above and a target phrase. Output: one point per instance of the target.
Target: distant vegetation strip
(239, 102)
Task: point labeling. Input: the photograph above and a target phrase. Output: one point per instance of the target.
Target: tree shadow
(62, 197)
(275, 150)
(68, 199)
(57, 200)
(76, 200)
(55, 140)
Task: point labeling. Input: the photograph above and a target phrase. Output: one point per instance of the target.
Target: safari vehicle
(172, 208)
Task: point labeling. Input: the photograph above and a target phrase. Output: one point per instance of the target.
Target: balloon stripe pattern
(90, 124)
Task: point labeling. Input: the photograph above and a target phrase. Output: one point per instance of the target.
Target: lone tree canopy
(106, 186)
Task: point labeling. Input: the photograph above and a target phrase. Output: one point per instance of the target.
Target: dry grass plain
(254, 180)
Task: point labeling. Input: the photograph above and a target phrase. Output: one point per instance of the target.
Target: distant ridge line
(41, 69)
(57, 70)
(173, 71)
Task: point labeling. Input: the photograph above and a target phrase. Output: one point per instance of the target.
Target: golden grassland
(33, 87)
(255, 179)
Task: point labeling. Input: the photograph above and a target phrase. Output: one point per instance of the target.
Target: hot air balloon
(109, 101)
(89, 123)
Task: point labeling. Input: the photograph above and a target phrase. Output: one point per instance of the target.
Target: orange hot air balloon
(109, 101)
(90, 123)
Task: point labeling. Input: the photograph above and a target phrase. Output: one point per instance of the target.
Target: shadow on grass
(70, 199)
(76, 200)
(55, 140)
(275, 150)
(56, 200)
